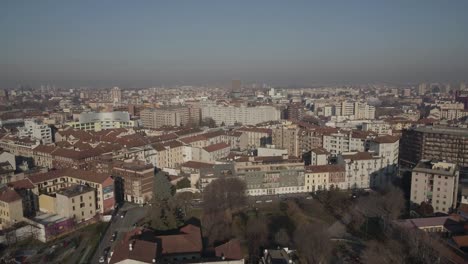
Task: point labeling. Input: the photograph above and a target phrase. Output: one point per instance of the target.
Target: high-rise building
(295, 111)
(36, 130)
(236, 86)
(433, 143)
(462, 86)
(435, 183)
(422, 88)
(407, 92)
(168, 116)
(287, 138)
(116, 95)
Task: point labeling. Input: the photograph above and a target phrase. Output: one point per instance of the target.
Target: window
(73, 208)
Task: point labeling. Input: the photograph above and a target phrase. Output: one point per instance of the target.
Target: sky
(151, 43)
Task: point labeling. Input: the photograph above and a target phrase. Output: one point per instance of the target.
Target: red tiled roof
(231, 250)
(144, 251)
(255, 129)
(22, 184)
(320, 151)
(90, 176)
(217, 146)
(386, 139)
(358, 156)
(196, 165)
(189, 241)
(8, 195)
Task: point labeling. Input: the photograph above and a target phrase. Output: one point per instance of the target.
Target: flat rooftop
(455, 131)
(75, 190)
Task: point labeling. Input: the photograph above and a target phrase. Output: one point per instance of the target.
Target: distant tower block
(236, 85)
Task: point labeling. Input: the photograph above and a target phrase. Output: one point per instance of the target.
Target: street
(133, 213)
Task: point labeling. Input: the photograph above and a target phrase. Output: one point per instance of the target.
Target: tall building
(37, 131)
(435, 183)
(295, 111)
(422, 88)
(169, 116)
(230, 115)
(462, 86)
(116, 95)
(354, 110)
(433, 143)
(236, 86)
(287, 138)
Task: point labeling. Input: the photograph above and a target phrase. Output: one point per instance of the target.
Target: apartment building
(325, 177)
(379, 127)
(319, 156)
(346, 141)
(435, 183)
(11, 208)
(388, 148)
(35, 130)
(273, 181)
(256, 136)
(77, 202)
(354, 110)
(363, 170)
(168, 154)
(230, 115)
(452, 111)
(433, 143)
(136, 180)
(211, 153)
(287, 137)
(93, 121)
(52, 181)
(167, 116)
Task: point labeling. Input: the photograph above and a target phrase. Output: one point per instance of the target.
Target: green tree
(165, 212)
(184, 183)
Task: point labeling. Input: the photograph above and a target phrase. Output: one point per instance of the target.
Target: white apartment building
(451, 110)
(230, 115)
(435, 183)
(355, 110)
(362, 169)
(378, 126)
(340, 142)
(36, 131)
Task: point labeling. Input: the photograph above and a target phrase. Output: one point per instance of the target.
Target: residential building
(287, 137)
(167, 116)
(77, 202)
(433, 143)
(137, 180)
(271, 150)
(435, 183)
(34, 130)
(230, 115)
(256, 136)
(211, 153)
(116, 95)
(11, 207)
(346, 141)
(319, 156)
(325, 177)
(363, 170)
(386, 147)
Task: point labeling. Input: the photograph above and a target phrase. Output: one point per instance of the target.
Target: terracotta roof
(230, 251)
(197, 165)
(188, 241)
(358, 156)
(255, 129)
(216, 147)
(90, 176)
(192, 139)
(8, 195)
(386, 139)
(325, 168)
(22, 184)
(320, 151)
(143, 251)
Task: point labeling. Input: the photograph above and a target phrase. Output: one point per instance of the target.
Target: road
(133, 213)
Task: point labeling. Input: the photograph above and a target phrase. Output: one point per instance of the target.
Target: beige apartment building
(137, 180)
(435, 183)
(77, 202)
(168, 116)
(11, 208)
(287, 137)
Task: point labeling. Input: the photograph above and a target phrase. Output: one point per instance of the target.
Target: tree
(282, 237)
(184, 183)
(224, 194)
(257, 234)
(392, 202)
(313, 243)
(165, 213)
(209, 122)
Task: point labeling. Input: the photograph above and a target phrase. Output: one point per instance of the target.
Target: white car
(101, 259)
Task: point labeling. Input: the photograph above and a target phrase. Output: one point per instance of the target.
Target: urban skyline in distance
(204, 43)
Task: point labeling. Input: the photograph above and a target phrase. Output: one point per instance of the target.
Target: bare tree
(313, 243)
(257, 234)
(282, 237)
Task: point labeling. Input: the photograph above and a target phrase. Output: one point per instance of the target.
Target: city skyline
(136, 45)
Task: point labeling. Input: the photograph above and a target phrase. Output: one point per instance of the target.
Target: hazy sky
(140, 43)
